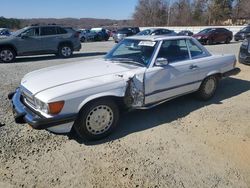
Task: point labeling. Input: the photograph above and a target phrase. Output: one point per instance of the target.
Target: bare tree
(151, 13)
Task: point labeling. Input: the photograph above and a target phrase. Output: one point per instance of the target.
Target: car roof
(157, 37)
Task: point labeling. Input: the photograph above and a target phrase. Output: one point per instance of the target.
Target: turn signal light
(55, 107)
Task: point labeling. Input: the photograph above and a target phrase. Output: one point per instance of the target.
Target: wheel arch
(65, 42)
(118, 98)
(9, 46)
(217, 73)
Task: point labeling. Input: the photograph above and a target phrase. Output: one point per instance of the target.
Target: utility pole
(169, 11)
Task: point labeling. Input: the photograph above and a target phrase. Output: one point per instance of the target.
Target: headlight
(52, 108)
(245, 42)
(41, 106)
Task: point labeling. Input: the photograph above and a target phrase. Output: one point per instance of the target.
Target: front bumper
(24, 114)
(238, 37)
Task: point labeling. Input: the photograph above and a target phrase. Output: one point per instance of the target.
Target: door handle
(193, 67)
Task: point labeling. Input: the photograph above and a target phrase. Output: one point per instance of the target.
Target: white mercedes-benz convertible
(138, 73)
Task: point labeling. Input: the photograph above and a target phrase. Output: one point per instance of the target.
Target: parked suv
(125, 32)
(36, 40)
(214, 35)
(242, 34)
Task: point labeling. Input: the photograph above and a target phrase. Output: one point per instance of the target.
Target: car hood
(5, 37)
(51, 77)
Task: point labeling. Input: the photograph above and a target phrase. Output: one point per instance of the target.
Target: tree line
(10, 23)
(191, 12)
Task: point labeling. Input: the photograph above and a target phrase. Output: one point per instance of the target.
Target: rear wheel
(83, 39)
(65, 51)
(97, 119)
(7, 55)
(208, 88)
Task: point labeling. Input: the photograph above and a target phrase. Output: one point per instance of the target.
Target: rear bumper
(24, 114)
(232, 72)
(78, 47)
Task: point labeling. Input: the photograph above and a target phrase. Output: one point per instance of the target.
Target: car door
(49, 38)
(176, 78)
(29, 41)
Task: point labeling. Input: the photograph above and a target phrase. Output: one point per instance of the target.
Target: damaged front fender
(134, 95)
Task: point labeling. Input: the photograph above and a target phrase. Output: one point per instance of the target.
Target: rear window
(48, 31)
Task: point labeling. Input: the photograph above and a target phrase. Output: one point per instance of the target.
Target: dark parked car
(242, 34)
(214, 35)
(4, 32)
(125, 32)
(37, 40)
(101, 34)
(185, 33)
(244, 54)
(157, 31)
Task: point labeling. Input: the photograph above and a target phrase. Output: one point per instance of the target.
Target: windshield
(18, 32)
(205, 31)
(132, 52)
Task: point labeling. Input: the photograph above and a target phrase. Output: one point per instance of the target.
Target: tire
(7, 55)
(228, 40)
(83, 39)
(97, 120)
(65, 51)
(210, 41)
(207, 88)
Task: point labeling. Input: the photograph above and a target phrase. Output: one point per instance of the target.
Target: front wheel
(228, 40)
(97, 119)
(7, 55)
(65, 51)
(208, 88)
(210, 41)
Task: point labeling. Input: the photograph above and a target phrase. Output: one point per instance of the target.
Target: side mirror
(24, 36)
(161, 61)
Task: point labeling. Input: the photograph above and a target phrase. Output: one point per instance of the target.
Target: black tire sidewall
(201, 92)
(83, 39)
(12, 51)
(60, 50)
(80, 124)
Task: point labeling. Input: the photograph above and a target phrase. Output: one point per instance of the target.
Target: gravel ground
(182, 143)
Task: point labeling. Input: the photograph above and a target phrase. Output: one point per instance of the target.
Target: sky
(111, 9)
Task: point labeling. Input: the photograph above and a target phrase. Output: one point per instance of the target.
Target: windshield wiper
(127, 60)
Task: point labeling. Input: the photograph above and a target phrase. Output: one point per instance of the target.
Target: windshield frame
(19, 32)
(106, 57)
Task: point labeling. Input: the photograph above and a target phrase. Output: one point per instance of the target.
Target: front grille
(27, 97)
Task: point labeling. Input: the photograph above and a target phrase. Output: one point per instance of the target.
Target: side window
(174, 51)
(195, 51)
(164, 31)
(61, 30)
(48, 31)
(32, 32)
(157, 32)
